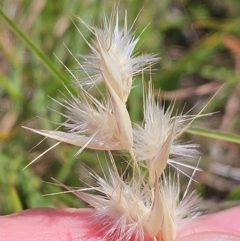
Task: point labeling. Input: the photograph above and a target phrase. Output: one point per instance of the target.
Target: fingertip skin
(46, 224)
(210, 236)
(222, 226)
(228, 219)
(50, 225)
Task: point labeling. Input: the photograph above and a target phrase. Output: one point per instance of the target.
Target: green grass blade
(11, 89)
(45, 60)
(219, 135)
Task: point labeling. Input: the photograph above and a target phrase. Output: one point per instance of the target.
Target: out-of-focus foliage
(199, 47)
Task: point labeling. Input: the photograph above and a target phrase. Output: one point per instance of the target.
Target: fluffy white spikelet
(154, 141)
(130, 208)
(112, 60)
(131, 205)
(176, 212)
(89, 123)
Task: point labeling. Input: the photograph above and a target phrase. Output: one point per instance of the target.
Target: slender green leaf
(215, 134)
(45, 60)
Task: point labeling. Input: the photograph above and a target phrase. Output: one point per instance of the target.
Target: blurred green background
(198, 42)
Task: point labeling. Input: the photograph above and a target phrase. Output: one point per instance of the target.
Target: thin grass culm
(145, 199)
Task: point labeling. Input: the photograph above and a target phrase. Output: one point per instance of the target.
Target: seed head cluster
(147, 200)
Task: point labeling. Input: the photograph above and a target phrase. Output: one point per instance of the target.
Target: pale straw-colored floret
(114, 49)
(130, 208)
(89, 124)
(176, 211)
(154, 141)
